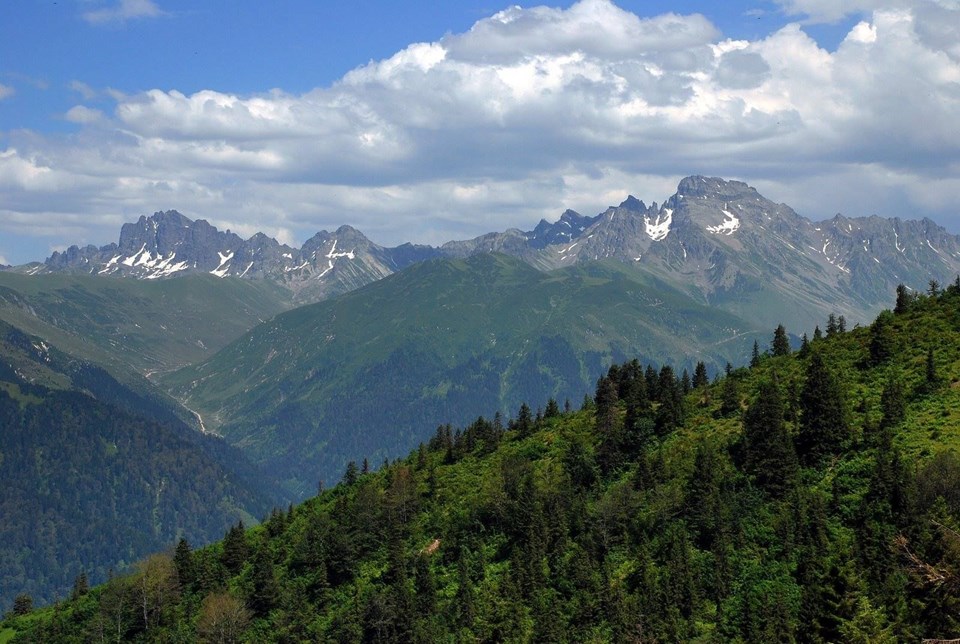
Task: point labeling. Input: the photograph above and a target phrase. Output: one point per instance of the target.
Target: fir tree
(882, 338)
(781, 344)
(755, 354)
(832, 326)
(552, 410)
(525, 420)
(817, 333)
(700, 378)
(769, 453)
(81, 586)
(729, 396)
(804, 346)
(183, 561)
(904, 299)
(823, 423)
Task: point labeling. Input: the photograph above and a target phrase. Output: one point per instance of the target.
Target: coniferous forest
(813, 497)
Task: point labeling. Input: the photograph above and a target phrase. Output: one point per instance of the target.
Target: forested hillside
(95, 475)
(812, 497)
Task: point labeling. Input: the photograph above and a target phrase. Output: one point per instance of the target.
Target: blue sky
(436, 120)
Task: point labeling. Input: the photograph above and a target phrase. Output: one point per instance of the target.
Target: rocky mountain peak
(632, 203)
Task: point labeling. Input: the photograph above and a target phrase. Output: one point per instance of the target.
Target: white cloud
(123, 11)
(527, 113)
(86, 92)
(6, 91)
(83, 115)
(3, 260)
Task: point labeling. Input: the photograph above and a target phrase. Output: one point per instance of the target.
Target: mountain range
(304, 359)
(720, 241)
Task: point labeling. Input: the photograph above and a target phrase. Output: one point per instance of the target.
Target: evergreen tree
(817, 333)
(183, 561)
(22, 604)
(832, 326)
(893, 403)
(685, 385)
(729, 396)
(351, 474)
(700, 378)
(823, 423)
(841, 324)
(552, 410)
(882, 338)
(524, 420)
(769, 453)
(904, 299)
(932, 379)
(755, 354)
(81, 586)
(236, 550)
(781, 344)
(804, 346)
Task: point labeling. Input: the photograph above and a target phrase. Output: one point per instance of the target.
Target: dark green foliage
(709, 532)
(87, 486)
(755, 354)
(824, 429)
(700, 378)
(904, 299)
(769, 453)
(730, 396)
(882, 338)
(780, 346)
(22, 604)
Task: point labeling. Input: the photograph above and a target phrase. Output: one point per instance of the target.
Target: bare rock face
(721, 241)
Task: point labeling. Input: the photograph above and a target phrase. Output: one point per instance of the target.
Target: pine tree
(904, 299)
(769, 453)
(893, 403)
(817, 333)
(781, 344)
(832, 326)
(823, 423)
(81, 586)
(729, 396)
(183, 561)
(685, 385)
(882, 338)
(552, 410)
(22, 604)
(525, 420)
(351, 474)
(236, 550)
(932, 379)
(804, 346)
(700, 378)
(755, 354)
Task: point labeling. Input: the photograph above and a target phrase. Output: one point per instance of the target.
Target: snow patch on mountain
(730, 225)
(659, 228)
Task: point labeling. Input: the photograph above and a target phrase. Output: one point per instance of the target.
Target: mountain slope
(720, 241)
(96, 475)
(604, 525)
(144, 325)
(370, 372)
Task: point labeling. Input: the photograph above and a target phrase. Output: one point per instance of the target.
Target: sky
(439, 120)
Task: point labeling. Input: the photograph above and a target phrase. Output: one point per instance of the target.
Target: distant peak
(632, 203)
(697, 186)
(171, 217)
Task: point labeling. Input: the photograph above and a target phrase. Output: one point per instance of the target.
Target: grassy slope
(442, 341)
(147, 325)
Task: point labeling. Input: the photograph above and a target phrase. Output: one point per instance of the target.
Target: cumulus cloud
(85, 91)
(6, 91)
(123, 11)
(529, 112)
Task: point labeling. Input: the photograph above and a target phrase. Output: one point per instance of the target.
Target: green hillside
(812, 497)
(373, 371)
(144, 325)
(96, 475)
